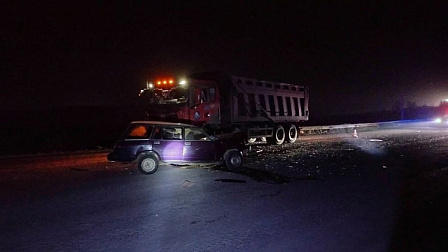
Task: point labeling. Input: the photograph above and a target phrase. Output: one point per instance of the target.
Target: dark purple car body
(151, 142)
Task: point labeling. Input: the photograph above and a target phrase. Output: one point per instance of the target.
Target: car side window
(168, 133)
(157, 133)
(139, 132)
(195, 134)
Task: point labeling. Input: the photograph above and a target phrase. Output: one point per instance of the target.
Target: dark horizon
(355, 57)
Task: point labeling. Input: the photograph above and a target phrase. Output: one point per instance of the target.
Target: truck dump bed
(251, 100)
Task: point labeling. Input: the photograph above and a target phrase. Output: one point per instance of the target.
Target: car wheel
(233, 159)
(279, 136)
(148, 164)
(291, 137)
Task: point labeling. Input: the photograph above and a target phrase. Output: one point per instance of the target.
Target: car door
(168, 142)
(198, 145)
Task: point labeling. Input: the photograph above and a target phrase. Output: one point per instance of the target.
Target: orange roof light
(165, 81)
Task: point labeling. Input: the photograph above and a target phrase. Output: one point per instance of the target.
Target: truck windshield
(163, 96)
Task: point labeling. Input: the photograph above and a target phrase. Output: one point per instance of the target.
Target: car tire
(148, 164)
(233, 159)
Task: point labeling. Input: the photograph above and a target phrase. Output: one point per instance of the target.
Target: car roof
(162, 123)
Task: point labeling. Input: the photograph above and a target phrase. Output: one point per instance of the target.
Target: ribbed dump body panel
(258, 101)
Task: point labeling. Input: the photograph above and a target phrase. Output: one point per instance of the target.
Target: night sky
(356, 56)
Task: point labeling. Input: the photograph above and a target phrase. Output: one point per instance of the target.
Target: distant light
(159, 82)
(171, 81)
(182, 82)
(164, 82)
(150, 85)
(438, 120)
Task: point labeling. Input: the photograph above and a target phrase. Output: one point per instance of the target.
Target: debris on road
(231, 180)
(187, 183)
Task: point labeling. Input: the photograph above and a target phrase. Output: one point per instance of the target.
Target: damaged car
(150, 143)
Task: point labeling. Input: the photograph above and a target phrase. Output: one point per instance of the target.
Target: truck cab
(195, 102)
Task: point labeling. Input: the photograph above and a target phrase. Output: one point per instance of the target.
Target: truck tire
(233, 159)
(279, 136)
(292, 134)
(148, 164)
(251, 140)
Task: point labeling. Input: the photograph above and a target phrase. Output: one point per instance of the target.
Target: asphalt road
(383, 191)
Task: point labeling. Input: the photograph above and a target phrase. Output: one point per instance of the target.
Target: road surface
(385, 190)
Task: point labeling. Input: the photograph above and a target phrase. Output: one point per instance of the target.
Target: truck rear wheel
(291, 137)
(251, 140)
(279, 135)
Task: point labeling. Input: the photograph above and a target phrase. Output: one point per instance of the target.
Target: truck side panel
(255, 101)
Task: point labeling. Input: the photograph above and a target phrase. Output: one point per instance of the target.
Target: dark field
(64, 129)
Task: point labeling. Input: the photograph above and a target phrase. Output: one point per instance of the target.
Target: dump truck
(224, 104)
